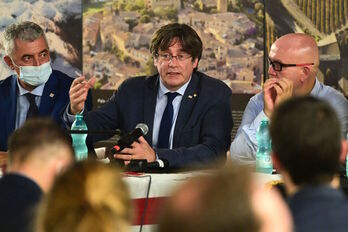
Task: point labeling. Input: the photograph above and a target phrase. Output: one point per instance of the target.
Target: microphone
(142, 165)
(125, 141)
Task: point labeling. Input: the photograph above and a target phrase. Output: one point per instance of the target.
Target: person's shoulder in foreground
(307, 149)
(38, 152)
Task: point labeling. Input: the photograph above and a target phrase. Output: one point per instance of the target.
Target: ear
(276, 163)
(344, 150)
(195, 63)
(306, 72)
(155, 61)
(9, 62)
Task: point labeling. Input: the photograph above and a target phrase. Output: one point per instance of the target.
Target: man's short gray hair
(26, 31)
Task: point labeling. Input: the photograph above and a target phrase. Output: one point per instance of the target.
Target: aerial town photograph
(117, 34)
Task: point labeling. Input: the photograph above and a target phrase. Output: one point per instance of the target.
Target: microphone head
(143, 127)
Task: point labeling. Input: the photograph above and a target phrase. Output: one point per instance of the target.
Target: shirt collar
(37, 91)
(316, 88)
(163, 90)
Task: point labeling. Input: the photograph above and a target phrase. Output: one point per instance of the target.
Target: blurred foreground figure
(89, 197)
(307, 146)
(38, 152)
(229, 200)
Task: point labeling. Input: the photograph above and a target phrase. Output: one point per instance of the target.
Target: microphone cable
(142, 220)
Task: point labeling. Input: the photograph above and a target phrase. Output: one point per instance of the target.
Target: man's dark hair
(34, 134)
(306, 139)
(220, 202)
(189, 39)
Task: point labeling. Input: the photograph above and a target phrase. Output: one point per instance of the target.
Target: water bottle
(79, 140)
(263, 154)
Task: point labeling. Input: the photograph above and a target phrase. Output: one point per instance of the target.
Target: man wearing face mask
(35, 90)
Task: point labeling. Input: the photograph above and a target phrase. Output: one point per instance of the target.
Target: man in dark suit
(38, 152)
(307, 147)
(188, 113)
(36, 90)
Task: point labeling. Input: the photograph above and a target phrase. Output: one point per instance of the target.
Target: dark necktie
(33, 110)
(166, 122)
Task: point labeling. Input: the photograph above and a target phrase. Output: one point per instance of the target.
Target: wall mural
(117, 33)
(112, 37)
(326, 21)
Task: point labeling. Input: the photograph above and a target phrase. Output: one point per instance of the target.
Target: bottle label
(265, 161)
(264, 164)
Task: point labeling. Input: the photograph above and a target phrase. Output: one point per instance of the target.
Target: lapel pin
(51, 94)
(194, 95)
(189, 96)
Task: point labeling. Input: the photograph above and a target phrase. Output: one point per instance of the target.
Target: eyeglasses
(166, 57)
(278, 66)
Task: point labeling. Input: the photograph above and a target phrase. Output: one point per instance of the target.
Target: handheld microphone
(125, 141)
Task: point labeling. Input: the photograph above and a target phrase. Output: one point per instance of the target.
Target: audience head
(229, 200)
(25, 44)
(295, 48)
(41, 150)
(176, 49)
(306, 140)
(90, 196)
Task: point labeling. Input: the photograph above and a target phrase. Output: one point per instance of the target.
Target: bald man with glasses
(293, 67)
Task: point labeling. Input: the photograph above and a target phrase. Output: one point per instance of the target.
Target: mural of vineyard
(326, 21)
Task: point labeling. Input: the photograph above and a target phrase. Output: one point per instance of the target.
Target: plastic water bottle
(79, 140)
(263, 155)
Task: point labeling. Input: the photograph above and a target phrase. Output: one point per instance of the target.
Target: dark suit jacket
(319, 209)
(19, 197)
(54, 99)
(202, 132)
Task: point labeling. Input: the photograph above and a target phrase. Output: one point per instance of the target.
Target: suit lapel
(187, 103)
(49, 96)
(150, 96)
(12, 106)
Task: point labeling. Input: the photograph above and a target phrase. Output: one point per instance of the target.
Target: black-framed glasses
(168, 57)
(278, 66)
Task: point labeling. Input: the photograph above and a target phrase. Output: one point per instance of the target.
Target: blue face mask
(35, 75)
